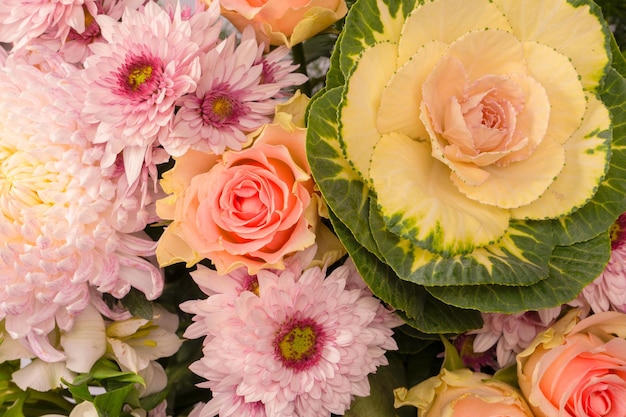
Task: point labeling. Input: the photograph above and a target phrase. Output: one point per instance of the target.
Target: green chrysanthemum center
(298, 344)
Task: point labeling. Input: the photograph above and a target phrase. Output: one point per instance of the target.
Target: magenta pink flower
(231, 100)
(65, 229)
(302, 345)
(135, 79)
(24, 20)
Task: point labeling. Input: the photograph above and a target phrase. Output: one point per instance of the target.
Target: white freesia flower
(133, 343)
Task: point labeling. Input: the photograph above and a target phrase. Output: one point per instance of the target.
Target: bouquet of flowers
(312, 208)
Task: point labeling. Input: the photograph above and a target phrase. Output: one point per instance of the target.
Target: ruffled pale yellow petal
(518, 183)
(445, 21)
(585, 166)
(415, 193)
(560, 80)
(572, 31)
(400, 102)
(358, 130)
(489, 52)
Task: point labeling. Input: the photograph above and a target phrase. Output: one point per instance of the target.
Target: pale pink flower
(276, 67)
(230, 101)
(60, 234)
(24, 20)
(75, 46)
(135, 77)
(608, 291)
(512, 333)
(3, 56)
(302, 345)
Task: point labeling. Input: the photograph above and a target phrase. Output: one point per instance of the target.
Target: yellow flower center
(222, 107)
(20, 182)
(298, 344)
(615, 231)
(139, 76)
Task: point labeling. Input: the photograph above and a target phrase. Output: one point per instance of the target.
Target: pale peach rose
(463, 393)
(249, 208)
(279, 22)
(577, 368)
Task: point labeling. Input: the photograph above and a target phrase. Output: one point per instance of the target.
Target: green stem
(299, 58)
(51, 397)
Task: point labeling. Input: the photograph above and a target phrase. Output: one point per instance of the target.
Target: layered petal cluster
(231, 100)
(294, 343)
(577, 367)
(74, 47)
(22, 20)
(512, 333)
(147, 63)
(463, 393)
(252, 207)
(478, 155)
(64, 227)
(608, 291)
(279, 22)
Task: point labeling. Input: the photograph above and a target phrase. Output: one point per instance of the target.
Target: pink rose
(247, 208)
(577, 369)
(463, 393)
(279, 22)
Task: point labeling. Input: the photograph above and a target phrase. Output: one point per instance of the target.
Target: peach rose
(279, 22)
(245, 208)
(463, 393)
(577, 368)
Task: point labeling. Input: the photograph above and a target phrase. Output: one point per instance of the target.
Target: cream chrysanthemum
(61, 219)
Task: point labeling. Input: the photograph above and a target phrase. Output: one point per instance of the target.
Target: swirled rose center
(482, 121)
(493, 120)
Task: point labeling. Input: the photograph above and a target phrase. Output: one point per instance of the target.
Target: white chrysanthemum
(60, 233)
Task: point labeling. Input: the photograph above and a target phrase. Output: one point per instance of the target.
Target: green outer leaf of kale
(340, 185)
(571, 269)
(609, 200)
(367, 23)
(421, 310)
(464, 269)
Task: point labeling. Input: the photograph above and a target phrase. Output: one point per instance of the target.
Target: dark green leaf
(135, 301)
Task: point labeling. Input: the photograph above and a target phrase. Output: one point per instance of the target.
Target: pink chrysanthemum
(608, 291)
(276, 68)
(302, 345)
(230, 101)
(24, 20)
(512, 333)
(75, 46)
(135, 78)
(61, 234)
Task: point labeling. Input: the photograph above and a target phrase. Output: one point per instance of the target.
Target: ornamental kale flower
(479, 167)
